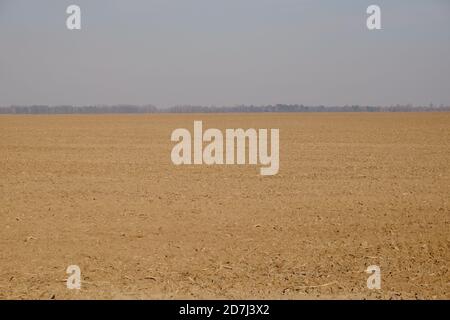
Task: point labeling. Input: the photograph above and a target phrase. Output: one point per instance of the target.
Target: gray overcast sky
(224, 52)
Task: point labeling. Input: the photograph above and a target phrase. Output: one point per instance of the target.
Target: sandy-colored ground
(101, 192)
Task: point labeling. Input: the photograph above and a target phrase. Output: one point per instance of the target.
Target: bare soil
(101, 192)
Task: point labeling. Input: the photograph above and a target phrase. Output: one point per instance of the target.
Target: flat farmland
(101, 192)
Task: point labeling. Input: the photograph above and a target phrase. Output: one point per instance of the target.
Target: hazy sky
(224, 52)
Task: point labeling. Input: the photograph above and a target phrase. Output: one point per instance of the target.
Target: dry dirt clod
(29, 238)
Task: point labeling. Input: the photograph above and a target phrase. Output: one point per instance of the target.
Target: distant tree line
(43, 109)
(302, 108)
(67, 109)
